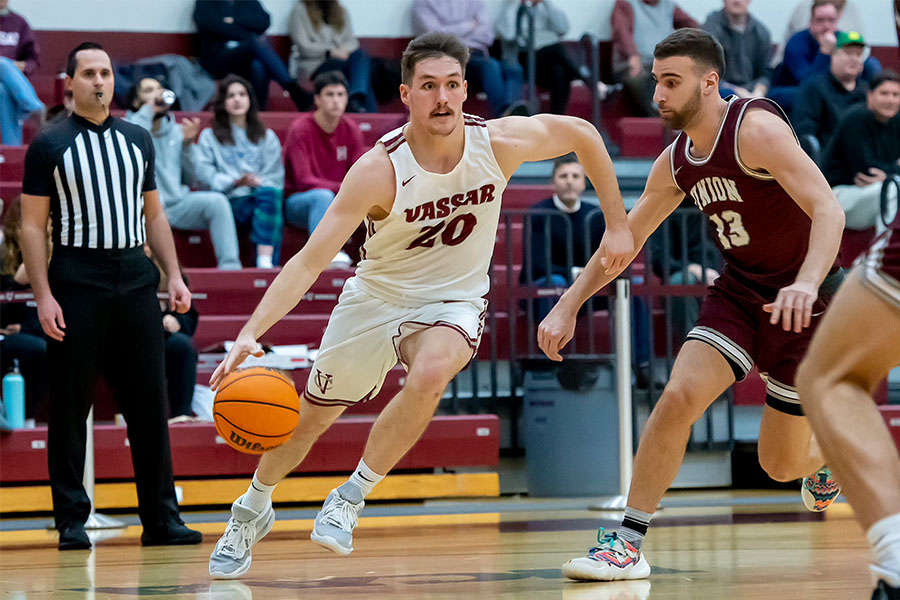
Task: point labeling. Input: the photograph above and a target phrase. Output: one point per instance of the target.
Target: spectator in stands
(824, 97)
(181, 355)
(62, 111)
(748, 49)
(174, 172)
(17, 41)
(231, 40)
(554, 68)
(864, 151)
(637, 25)
(569, 183)
(586, 224)
(809, 52)
(318, 151)
(848, 20)
(18, 58)
(239, 157)
(20, 328)
(471, 22)
(324, 41)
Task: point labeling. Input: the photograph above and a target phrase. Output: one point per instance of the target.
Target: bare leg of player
(787, 448)
(699, 376)
(855, 347)
(314, 421)
(434, 356)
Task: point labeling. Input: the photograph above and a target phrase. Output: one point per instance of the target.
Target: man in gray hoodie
(184, 209)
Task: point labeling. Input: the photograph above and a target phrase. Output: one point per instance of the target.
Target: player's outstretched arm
(523, 139)
(661, 196)
(367, 188)
(766, 143)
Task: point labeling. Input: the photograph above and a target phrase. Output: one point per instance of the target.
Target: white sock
(258, 496)
(884, 537)
(263, 262)
(360, 483)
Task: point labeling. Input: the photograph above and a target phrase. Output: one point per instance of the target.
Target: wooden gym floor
(722, 545)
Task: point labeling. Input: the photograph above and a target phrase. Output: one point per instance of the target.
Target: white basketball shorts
(362, 342)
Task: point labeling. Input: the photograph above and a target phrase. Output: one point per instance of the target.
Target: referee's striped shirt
(94, 176)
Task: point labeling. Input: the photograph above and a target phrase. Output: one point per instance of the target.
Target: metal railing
(665, 295)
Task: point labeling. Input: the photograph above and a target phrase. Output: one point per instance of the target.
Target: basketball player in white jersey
(430, 194)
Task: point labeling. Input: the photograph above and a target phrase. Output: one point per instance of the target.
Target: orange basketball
(256, 409)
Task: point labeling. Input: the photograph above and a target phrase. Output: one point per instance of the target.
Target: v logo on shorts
(324, 381)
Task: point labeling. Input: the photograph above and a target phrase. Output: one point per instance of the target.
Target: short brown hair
(885, 76)
(820, 3)
(693, 43)
(434, 44)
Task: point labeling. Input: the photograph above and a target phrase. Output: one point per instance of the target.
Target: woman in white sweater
(323, 40)
(239, 157)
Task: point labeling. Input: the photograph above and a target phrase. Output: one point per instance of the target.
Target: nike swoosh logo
(678, 169)
(407, 181)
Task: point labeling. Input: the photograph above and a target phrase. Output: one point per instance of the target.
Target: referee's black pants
(114, 326)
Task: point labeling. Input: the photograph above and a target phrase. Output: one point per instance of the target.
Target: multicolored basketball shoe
(612, 559)
(820, 490)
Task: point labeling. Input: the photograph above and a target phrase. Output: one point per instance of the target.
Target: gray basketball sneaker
(231, 557)
(334, 525)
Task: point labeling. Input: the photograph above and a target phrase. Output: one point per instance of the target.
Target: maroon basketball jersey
(762, 232)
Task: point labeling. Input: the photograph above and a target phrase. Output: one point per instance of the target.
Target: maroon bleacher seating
(853, 243)
(449, 441)
(12, 163)
(10, 189)
(891, 416)
(639, 136)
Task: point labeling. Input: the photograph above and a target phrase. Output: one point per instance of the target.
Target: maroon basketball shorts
(733, 322)
(880, 267)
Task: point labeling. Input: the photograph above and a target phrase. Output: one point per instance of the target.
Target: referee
(92, 176)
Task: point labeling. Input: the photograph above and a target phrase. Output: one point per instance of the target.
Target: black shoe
(885, 592)
(302, 99)
(356, 105)
(519, 108)
(74, 537)
(176, 534)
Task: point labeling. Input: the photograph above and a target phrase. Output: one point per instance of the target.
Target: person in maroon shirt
(319, 150)
(17, 41)
(779, 227)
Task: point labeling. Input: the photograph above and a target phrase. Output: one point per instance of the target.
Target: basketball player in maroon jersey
(779, 228)
(853, 350)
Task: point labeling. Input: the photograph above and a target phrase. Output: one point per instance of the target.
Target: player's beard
(679, 119)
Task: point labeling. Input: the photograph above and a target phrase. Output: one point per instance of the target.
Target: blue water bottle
(14, 396)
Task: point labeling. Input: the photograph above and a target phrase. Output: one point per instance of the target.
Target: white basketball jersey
(437, 242)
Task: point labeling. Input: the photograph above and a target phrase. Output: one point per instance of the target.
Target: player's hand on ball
(616, 249)
(555, 331)
(243, 347)
(793, 306)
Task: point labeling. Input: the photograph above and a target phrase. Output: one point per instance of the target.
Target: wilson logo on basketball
(238, 442)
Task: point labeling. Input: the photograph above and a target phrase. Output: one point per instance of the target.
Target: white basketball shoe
(334, 525)
(231, 557)
(612, 559)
